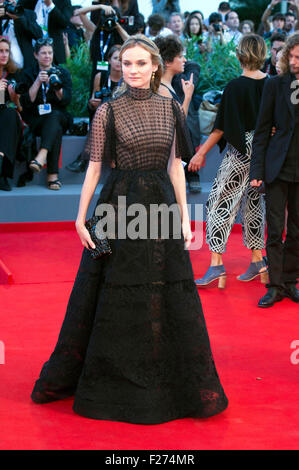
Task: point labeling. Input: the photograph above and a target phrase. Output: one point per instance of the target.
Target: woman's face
(4, 53)
(194, 26)
(115, 62)
(137, 67)
(246, 28)
(178, 64)
(44, 57)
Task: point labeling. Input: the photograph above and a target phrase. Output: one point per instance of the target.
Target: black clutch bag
(102, 246)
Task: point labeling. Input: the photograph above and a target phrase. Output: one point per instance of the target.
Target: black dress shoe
(4, 184)
(273, 295)
(78, 165)
(292, 292)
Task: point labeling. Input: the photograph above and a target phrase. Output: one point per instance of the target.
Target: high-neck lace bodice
(137, 131)
(139, 93)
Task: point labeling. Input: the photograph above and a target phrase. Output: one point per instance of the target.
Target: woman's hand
(196, 162)
(187, 234)
(84, 235)
(3, 84)
(42, 77)
(108, 10)
(94, 103)
(256, 183)
(188, 87)
(12, 94)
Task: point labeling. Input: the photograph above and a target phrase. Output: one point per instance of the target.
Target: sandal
(54, 185)
(35, 166)
(213, 273)
(258, 268)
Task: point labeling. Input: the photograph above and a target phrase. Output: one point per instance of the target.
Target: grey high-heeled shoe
(212, 274)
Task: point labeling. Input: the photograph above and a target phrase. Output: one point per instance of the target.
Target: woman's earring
(153, 76)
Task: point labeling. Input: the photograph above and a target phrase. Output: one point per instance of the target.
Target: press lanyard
(103, 48)
(6, 27)
(45, 91)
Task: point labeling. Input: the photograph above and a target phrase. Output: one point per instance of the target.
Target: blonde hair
(291, 42)
(252, 51)
(150, 46)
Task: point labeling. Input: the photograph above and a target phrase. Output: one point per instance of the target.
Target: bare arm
(33, 90)
(199, 157)
(88, 24)
(177, 177)
(123, 34)
(82, 11)
(267, 13)
(91, 180)
(188, 89)
(164, 91)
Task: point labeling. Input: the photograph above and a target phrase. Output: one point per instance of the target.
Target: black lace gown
(134, 346)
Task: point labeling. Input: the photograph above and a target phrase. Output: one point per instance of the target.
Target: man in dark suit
(275, 160)
(20, 29)
(53, 16)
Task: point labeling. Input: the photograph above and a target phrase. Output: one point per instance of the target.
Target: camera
(19, 88)
(104, 94)
(108, 23)
(55, 78)
(217, 27)
(16, 10)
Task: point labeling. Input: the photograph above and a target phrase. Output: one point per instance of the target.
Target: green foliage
(217, 67)
(192, 50)
(79, 66)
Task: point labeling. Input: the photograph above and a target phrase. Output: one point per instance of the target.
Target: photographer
(103, 86)
(122, 8)
(53, 17)
(108, 32)
(10, 122)
(278, 20)
(44, 108)
(21, 28)
(105, 82)
(215, 31)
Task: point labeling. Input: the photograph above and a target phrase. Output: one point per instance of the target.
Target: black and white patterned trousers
(230, 193)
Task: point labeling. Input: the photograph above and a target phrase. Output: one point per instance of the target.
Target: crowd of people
(36, 39)
(33, 29)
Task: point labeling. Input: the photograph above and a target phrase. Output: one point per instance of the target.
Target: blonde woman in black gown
(134, 345)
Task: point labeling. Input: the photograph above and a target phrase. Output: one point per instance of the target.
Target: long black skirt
(134, 345)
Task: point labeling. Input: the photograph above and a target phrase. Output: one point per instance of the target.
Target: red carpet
(252, 350)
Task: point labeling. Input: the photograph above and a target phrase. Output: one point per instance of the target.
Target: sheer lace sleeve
(100, 140)
(184, 146)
